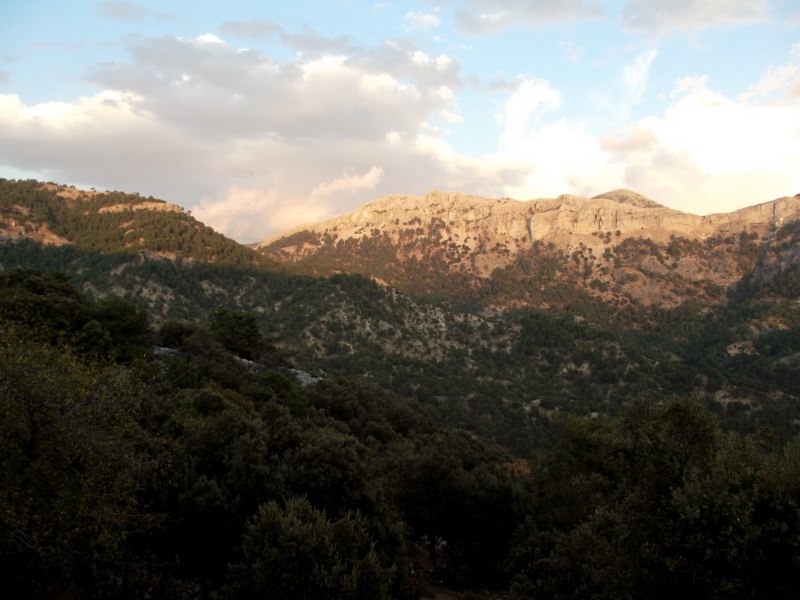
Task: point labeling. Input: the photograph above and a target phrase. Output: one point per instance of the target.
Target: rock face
(476, 219)
(618, 244)
(144, 205)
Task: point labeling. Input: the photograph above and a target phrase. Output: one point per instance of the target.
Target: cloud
(778, 84)
(562, 157)
(242, 213)
(407, 63)
(530, 101)
(708, 153)
(217, 91)
(257, 29)
(617, 100)
(489, 16)
(663, 16)
(252, 213)
(311, 43)
(4, 79)
(422, 21)
(349, 183)
(123, 11)
(558, 156)
(209, 38)
(634, 76)
(105, 140)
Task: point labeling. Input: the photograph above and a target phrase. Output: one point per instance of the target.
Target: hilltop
(58, 215)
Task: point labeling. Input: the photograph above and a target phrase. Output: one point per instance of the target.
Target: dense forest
(171, 458)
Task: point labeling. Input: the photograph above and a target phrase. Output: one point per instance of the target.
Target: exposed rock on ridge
(618, 245)
(474, 220)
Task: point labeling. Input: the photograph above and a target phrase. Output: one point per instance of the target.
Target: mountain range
(498, 314)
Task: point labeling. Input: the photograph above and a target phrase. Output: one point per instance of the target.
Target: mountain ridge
(619, 246)
(618, 209)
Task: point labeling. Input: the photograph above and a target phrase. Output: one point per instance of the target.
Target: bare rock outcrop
(474, 220)
(618, 245)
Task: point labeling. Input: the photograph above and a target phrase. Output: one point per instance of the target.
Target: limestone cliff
(474, 219)
(619, 245)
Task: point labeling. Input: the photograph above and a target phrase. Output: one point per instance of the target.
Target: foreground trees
(661, 504)
(194, 473)
(74, 462)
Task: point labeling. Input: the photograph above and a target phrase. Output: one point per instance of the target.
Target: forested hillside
(503, 376)
(112, 222)
(156, 460)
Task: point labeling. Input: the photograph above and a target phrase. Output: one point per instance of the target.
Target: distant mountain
(619, 247)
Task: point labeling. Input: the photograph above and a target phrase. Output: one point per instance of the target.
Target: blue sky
(258, 116)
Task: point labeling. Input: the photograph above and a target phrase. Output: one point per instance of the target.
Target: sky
(261, 115)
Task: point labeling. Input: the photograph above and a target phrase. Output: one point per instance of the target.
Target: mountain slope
(112, 222)
(619, 247)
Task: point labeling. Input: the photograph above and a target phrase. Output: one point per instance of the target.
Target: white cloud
(708, 153)
(705, 153)
(251, 214)
(242, 213)
(422, 21)
(615, 102)
(634, 76)
(558, 156)
(209, 38)
(663, 16)
(349, 183)
(488, 16)
(530, 101)
(561, 157)
(777, 84)
(216, 91)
